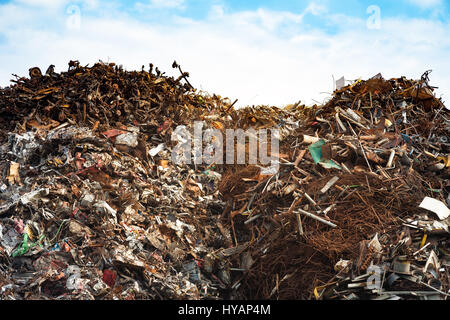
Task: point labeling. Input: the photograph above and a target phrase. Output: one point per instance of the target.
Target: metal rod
(313, 216)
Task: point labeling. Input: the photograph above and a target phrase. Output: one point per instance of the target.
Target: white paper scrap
(153, 152)
(438, 207)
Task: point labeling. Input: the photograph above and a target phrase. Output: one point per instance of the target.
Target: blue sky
(261, 52)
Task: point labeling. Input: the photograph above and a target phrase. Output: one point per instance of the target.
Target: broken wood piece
(365, 157)
(313, 216)
(325, 212)
(329, 184)
(341, 125)
(354, 122)
(14, 176)
(310, 199)
(300, 226)
(294, 204)
(368, 138)
(391, 159)
(300, 157)
(309, 139)
(252, 219)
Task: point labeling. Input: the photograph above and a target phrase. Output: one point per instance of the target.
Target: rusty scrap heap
(93, 207)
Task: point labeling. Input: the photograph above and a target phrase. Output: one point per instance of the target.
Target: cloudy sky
(261, 52)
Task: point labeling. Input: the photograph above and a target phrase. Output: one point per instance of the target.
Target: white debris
(436, 206)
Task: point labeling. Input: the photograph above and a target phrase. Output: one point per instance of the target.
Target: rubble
(93, 207)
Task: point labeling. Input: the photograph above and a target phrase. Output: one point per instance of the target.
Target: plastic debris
(436, 206)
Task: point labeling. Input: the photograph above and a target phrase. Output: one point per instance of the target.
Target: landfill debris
(436, 206)
(93, 207)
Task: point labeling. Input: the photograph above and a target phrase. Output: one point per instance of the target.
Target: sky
(261, 52)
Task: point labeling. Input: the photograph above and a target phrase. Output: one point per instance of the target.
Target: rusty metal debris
(92, 207)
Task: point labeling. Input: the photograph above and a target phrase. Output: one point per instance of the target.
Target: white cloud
(239, 55)
(426, 3)
(216, 11)
(267, 19)
(42, 3)
(167, 3)
(315, 9)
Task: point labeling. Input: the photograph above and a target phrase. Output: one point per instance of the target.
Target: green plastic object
(23, 247)
(316, 153)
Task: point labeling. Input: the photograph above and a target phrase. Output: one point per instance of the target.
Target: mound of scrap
(93, 207)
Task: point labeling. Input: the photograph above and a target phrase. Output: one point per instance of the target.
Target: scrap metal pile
(93, 207)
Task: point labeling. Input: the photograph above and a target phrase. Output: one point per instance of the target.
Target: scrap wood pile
(93, 207)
